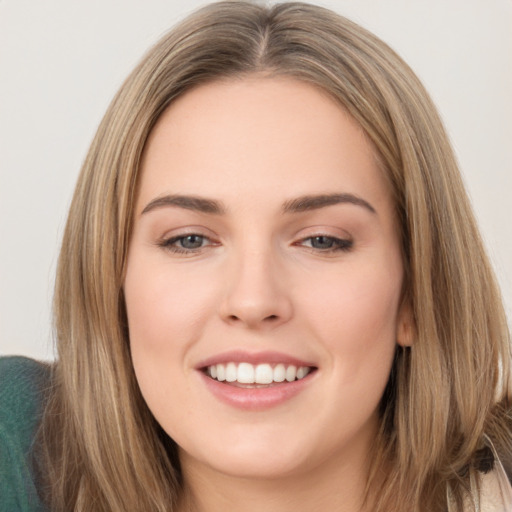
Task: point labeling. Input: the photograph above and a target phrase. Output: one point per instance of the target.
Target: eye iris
(191, 241)
(322, 242)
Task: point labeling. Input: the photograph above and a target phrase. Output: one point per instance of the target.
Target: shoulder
(496, 485)
(21, 376)
(23, 387)
(23, 383)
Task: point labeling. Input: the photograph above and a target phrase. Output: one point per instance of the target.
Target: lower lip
(256, 399)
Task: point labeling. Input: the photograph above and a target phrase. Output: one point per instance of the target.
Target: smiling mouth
(260, 375)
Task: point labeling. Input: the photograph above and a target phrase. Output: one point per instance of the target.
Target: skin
(257, 282)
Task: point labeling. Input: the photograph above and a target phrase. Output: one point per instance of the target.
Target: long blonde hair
(101, 448)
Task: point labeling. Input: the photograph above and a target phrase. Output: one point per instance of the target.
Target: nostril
(270, 318)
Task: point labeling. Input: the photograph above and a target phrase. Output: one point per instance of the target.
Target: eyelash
(170, 243)
(336, 244)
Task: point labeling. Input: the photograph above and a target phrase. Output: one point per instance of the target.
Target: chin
(260, 458)
(258, 467)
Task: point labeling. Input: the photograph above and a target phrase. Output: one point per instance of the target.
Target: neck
(339, 488)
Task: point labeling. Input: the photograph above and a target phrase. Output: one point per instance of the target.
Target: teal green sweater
(22, 385)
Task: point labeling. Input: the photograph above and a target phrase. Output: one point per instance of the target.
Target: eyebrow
(315, 202)
(297, 205)
(195, 203)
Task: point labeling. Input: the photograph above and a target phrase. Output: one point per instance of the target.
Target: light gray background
(61, 61)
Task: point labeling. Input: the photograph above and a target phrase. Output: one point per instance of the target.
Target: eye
(327, 244)
(191, 241)
(188, 243)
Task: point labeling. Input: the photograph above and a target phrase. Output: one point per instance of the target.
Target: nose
(256, 293)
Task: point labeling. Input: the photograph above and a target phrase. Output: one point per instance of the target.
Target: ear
(405, 325)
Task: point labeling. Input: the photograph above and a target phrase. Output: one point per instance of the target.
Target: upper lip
(240, 356)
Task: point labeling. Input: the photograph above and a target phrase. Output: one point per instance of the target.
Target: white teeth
(231, 372)
(221, 372)
(246, 373)
(301, 372)
(279, 373)
(264, 374)
(291, 373)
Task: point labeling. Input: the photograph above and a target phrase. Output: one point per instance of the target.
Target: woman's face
(263, 279)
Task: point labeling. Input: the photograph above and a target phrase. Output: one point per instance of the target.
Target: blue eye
(186, 243)
(328, 244)
(191, 241)
(322, 242)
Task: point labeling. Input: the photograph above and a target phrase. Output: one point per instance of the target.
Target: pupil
(322, 242)
(192, 242)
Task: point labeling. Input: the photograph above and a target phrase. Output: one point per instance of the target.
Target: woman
(271, 292)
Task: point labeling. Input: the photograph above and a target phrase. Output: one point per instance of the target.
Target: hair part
(102, 448)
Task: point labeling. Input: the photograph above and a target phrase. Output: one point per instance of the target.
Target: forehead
(258, 135)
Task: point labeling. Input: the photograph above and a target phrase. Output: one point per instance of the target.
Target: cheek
(355, 316)
(166, 315)
(165, 308)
